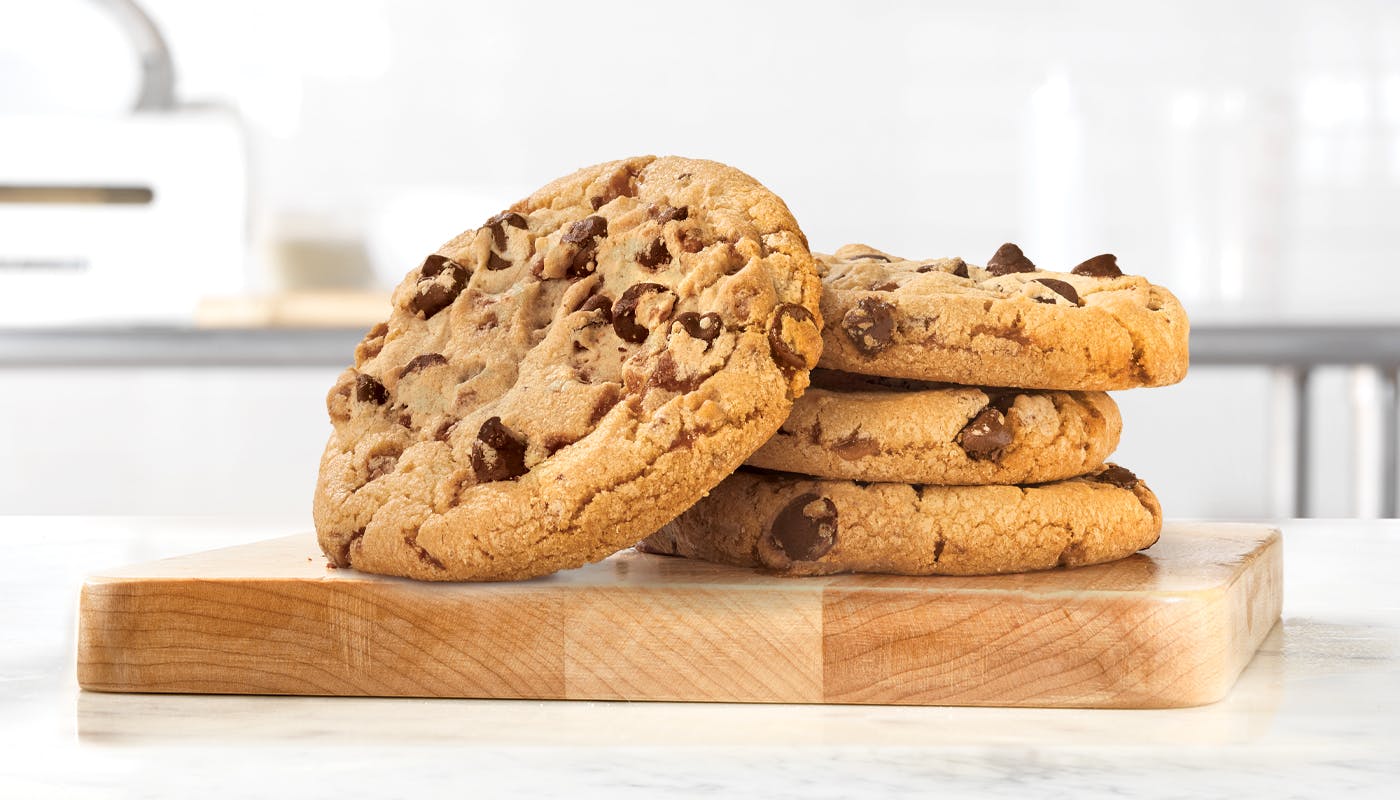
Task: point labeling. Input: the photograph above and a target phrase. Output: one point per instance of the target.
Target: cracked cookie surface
(795, 525)
(555, 385)
(1007, 324)
(892, 429)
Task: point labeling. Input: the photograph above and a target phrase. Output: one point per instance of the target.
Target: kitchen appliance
(121, 218)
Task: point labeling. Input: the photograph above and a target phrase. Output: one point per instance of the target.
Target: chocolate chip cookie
(868, 428)
(1007, 324)
(795, 525)
(560, 382)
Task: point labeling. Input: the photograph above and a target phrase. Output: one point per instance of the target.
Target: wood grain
(1171, 627)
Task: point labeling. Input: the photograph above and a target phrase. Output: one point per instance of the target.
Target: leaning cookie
(1009, 324)
(867, 428)
(553, 386)
(796, 525)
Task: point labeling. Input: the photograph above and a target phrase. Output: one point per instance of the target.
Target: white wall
(1246, 154)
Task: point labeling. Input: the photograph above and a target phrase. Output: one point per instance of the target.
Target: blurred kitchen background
(202, 206)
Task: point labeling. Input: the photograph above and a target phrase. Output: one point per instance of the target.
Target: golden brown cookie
(795, 525)
(868, 428)
(555, 385)
(1008, 324)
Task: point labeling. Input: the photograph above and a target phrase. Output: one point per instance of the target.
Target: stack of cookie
(957, 424)
(594, 363)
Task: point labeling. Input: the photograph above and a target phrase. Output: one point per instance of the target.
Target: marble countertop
(1317, 713)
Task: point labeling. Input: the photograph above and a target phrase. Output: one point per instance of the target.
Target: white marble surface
(1317, 713)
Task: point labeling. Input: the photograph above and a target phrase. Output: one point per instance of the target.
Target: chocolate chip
(870, 325)
(1060, 288)
(495, 262)
(655, 255)
(663, 213)
(369, 390)
(598, 302)
(986, 436)
(422, 362)
(1117, 476)
(886, 286)
(783, 352)
(382, 464)
(434, 294)
(497, 225)
(1008, 259)
(431, 299)
(434, 264)
(372, 344)
(624, 312)
(667, 376)
(1104, 266)
(444, 429)
(705, 327)
(959, 268)
(854, 446)
(497, 454)
(584, 235)
(341, 557)
(691, 242)
(806, 527)
(621, 184)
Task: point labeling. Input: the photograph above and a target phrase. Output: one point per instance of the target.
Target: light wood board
(1170, 627)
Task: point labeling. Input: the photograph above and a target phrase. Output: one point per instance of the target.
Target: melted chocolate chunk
(655, 255)
(621, 184)
(1116, 476)
(1008, 259)
(1060, 288)
(624, 312)
(854, 446)
(422, 362)
(663, 213)
(495, 262)
(434, 294)
(434, 264)
(497, 454)
(783, 353)
(806, 527)
(382, 464)
(497, 225)
(705, 328)
(691, 241)
(666, 376)
(961, 269)
(584, 234)
(369, 390)
(986, 436)
(1104, 266)
(599, 302)
(870, 325)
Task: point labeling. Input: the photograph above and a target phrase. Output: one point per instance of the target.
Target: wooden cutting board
(1170, 627)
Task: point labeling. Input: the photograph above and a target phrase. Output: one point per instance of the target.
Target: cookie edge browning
(711, 531)
(941, 463)
(1151, 347)
(467, 542)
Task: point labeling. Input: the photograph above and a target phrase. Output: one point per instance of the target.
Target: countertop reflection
(1315, 712)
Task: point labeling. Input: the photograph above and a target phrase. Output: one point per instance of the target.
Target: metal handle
(157, 68)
